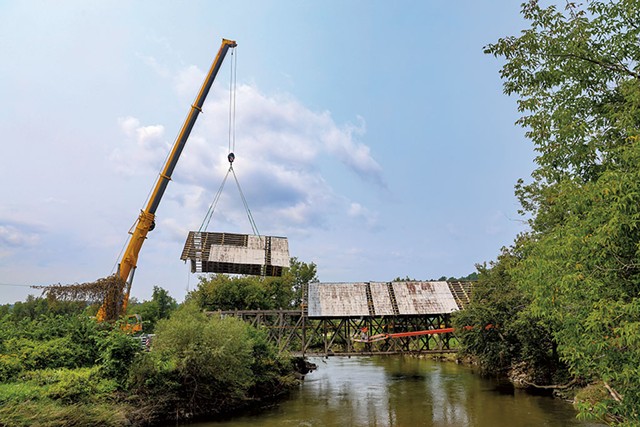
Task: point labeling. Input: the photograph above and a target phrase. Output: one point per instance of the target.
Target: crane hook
(231, 157)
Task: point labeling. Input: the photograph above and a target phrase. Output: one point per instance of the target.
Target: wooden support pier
(294, 332)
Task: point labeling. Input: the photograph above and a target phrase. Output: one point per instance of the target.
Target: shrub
(80, 385)
(203, 365)
(117, 352)
(10, 367)
(55, 353)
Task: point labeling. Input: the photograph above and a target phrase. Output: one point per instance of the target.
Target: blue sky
(375, 136)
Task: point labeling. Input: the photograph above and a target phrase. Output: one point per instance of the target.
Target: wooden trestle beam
(294, 332)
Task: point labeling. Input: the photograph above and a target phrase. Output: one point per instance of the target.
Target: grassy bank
(64, 369)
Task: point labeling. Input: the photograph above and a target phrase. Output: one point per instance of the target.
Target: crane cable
(231, 157)
(212, 208)
(246, 205)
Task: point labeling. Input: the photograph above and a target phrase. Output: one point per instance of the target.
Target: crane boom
(145, 221)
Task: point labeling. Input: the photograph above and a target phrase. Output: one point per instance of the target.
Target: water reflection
(405, 392)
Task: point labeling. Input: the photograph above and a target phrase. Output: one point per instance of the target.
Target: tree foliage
(34, 307)
(206, 365)
(299, 275)
(54, 341)
(60, 367)
(223, 292)
(159, 307)
(501, 331)
(576, 74)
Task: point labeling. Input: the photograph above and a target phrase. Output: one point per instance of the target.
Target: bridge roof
(382, 299)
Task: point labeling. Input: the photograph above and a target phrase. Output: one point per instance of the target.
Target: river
(405, 392)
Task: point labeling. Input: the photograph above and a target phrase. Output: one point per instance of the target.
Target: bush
(117, 352)
(205, 365)
(214, 351)
(55, 353)
(14, 394)
(80, 385)
(10, 367)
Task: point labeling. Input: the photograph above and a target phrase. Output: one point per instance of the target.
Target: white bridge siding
(338, 299)
(231, 253)
(253, 253)
(408, 298)
(424, 298)
(381, 299)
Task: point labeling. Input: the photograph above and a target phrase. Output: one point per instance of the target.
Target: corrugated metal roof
(424, 298)
(381, 299)
(386, 299)
(338, 299)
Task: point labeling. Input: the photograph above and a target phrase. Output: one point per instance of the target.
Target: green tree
(159, 307)
(469, 277)
(407, 279)
(499, 329)
(222, 292)
(206, 365)
(299, 275)
(575, 72)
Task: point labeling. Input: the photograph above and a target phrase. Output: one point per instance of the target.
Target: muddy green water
(405, 392)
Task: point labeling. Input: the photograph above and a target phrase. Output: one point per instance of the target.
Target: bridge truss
(295, 332)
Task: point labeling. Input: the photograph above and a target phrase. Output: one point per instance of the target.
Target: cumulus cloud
(280, 146)
(188, 81)
(16, 236)
(282, 128)
(360, 213)
(357, 156)
(144, 147)
(160, 69)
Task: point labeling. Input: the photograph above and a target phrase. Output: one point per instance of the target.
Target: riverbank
(64, 370)
(32, 404)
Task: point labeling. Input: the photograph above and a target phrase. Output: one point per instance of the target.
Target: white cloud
(278, 145)
(188, 81)
(281, 148)
(128, 125)
(357, 156)
(152, 62)
(16, 236)
(282, 128)
(143, 149)
(360, 213)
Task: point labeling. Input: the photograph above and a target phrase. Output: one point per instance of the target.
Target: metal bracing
(293, 331)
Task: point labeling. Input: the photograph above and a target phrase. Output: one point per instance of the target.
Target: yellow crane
(115, 302)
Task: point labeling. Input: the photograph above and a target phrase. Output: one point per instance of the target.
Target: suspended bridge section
(365, 318)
